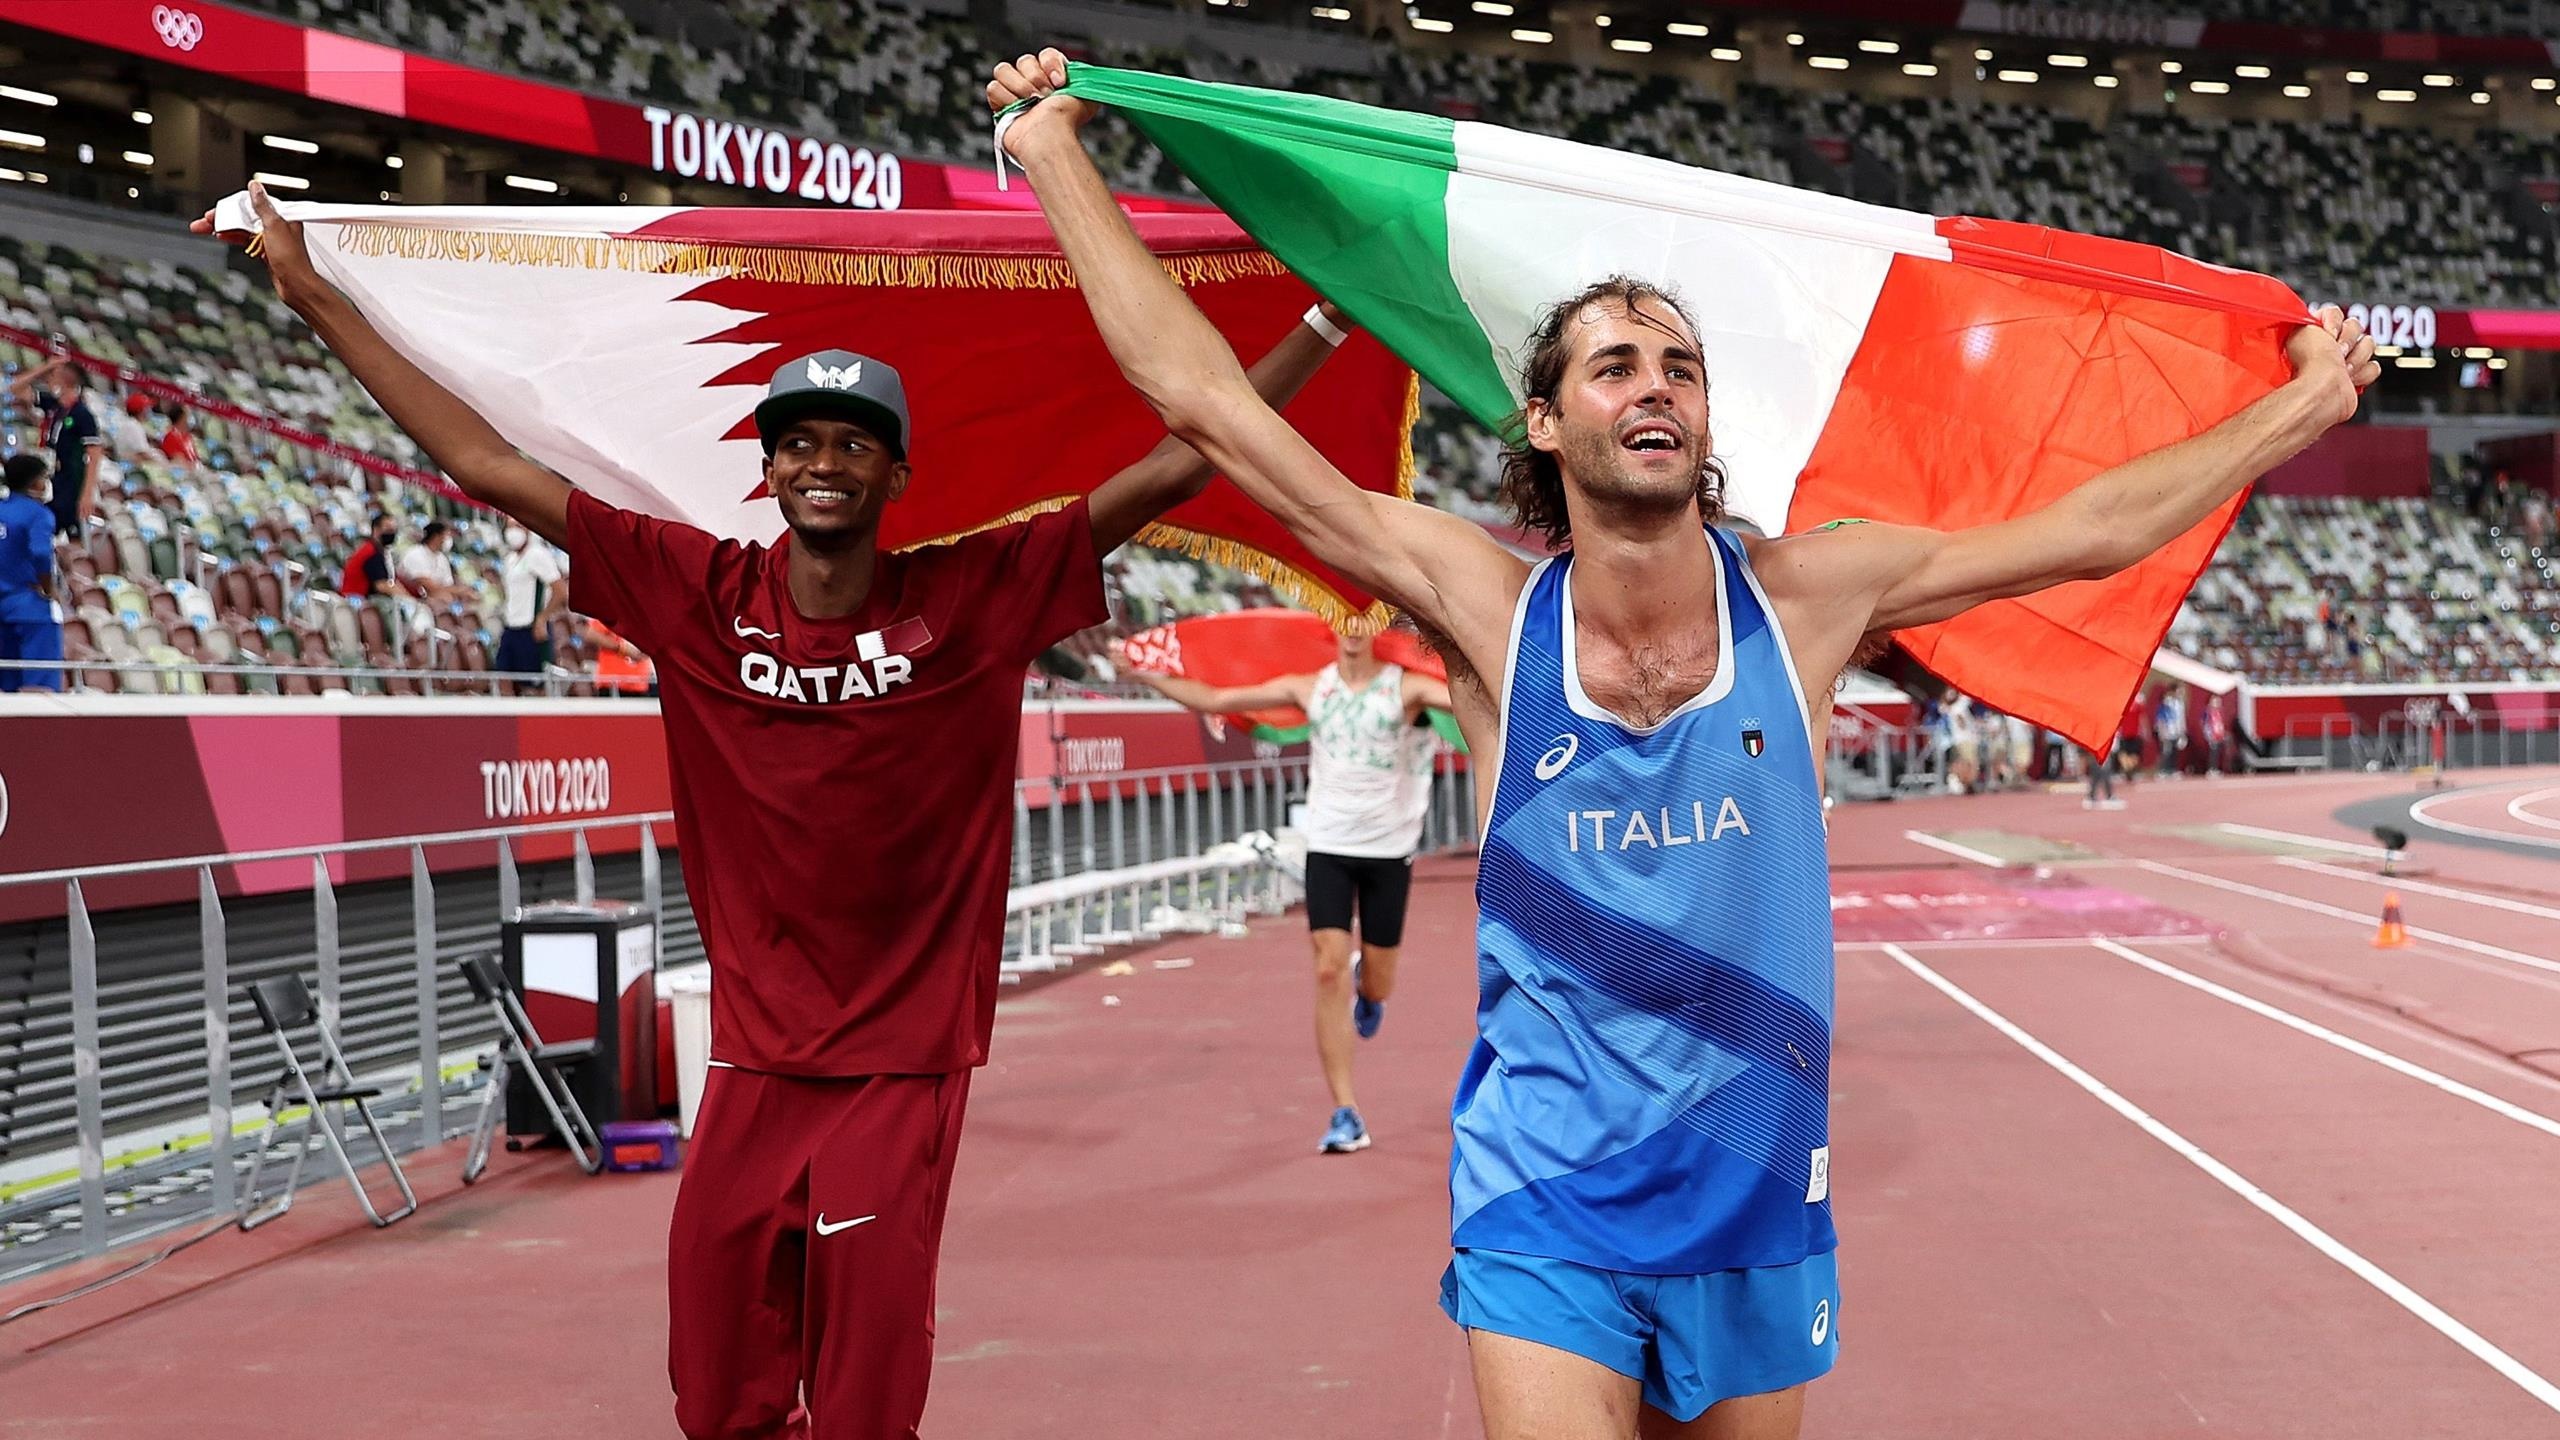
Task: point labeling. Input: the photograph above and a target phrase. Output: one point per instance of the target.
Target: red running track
(1144, 1243)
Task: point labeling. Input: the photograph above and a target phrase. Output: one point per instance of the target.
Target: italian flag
(1863, 362)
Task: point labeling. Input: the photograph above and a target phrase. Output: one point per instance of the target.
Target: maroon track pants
(800, 1265)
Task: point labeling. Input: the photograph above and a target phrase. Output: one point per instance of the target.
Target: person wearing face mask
(534, 589)
(368, 571)
(842, 726)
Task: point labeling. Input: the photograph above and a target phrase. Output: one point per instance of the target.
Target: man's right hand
(1037, 77)
(279, 241)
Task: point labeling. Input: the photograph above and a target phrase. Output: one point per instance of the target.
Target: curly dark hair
(1532, 479)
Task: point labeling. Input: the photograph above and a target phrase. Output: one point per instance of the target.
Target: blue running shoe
(1365, 1012)
(1345, 1134)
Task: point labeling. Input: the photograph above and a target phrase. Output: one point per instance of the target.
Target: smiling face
(1628, 424)
(833, 479)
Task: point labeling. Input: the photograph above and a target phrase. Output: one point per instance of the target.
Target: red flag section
(1989, 388)
(1247, 647)
(1016, 403)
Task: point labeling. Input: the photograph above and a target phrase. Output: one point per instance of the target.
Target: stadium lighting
(2386, 351)
(2415, 362)
(1981, 54)
(1683, 27)
(1436, 27)
(1490, 7)
(21, 139)
(32, 97)
(2396, 97)
(141, 117)
(2105, 82)
(2498, 363)
(1330, 12)
(1534, 37)
(392, 161)
(1600, 20)
(2297, 92)
(1795, 38)
(1725, 53)
(2545, 82)
(273, 181)
(1881, 47)
(2251, 72)
(2479, 97)
(1826, 62)
(1632, 47)
(2068, 62)
(2357, 77)
(536, 185)
(287, 142)
(8, 174)
(2211, 87)
(138, 157)
(1921, 68)
(2438, 82)
(2478, 352)
(2019, 77)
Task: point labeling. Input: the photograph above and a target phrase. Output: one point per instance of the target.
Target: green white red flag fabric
(1863, 361)
(626, 348)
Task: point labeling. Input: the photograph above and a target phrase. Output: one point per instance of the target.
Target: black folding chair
(283, 1004)
(545, 1067)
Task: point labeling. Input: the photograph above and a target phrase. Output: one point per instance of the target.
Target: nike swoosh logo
(823, 1228)
(749, 632)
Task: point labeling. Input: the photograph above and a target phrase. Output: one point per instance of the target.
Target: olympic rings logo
(179, 29)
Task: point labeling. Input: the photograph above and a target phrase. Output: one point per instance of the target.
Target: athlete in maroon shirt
(841, 725)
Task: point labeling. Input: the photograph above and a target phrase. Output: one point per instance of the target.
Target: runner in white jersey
(1368, 789)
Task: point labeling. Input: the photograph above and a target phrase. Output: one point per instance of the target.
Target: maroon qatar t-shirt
(843, 788)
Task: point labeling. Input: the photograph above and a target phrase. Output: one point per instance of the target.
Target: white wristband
(1333, 334)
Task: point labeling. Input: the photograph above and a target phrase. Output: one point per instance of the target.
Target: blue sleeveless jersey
(1650, 1088)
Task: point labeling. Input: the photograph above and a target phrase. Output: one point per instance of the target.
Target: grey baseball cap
(839, 384)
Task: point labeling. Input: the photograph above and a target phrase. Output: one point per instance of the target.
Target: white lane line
(2352, 1046)
(2295, 837)
(2421, 887)
(2318, 1239)
(1964, 852)
(2419, 813)
(2438, 937)
(2516, 809)
(2062, 942)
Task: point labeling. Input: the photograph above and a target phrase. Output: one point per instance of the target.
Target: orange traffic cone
(2393, 934)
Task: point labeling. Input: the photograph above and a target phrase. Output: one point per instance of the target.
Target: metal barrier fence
(121, 1111)
(2450, 741)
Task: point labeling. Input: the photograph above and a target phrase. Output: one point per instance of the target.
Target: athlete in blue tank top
(1641, 1183)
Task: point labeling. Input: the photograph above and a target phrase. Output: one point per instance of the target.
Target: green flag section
(1865, 361)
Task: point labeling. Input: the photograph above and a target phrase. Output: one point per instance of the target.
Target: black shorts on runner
(1377, 887)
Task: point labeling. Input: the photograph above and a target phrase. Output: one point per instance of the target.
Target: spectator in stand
(72, 432)
(620, 667)
(2170, 721)
(178, 442)
(368, 571)
(30, 620)
(128, 439)
(426, 570)
(535, 591)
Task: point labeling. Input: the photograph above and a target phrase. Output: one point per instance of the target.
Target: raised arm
(1174, 472)
(462, 444)
(1232, 699)
(1425, 692)
(1914, 576)
(1449, 574)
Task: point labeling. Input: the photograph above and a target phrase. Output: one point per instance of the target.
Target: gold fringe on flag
(780, 264)
(1300, 586)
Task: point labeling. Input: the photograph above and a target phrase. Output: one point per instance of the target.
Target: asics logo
(823, 1228)
(179, 29)
(1821, 1322)
(1558, 756)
